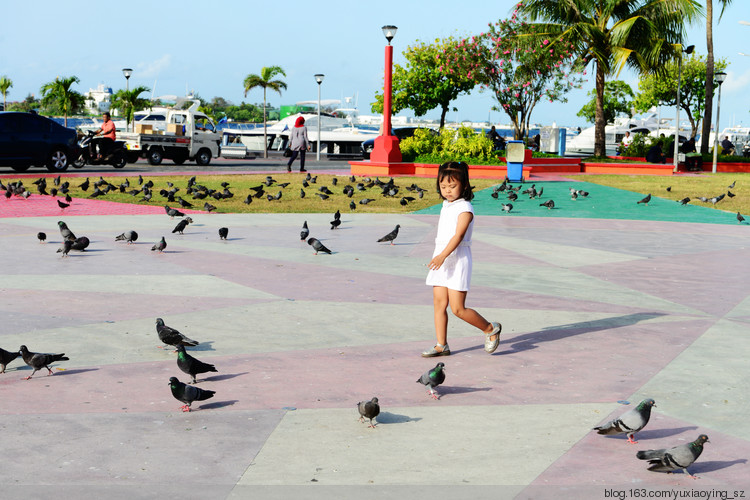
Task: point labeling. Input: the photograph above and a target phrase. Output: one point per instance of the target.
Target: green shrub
(423, 142)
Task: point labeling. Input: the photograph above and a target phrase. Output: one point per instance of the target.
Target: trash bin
(514, 156)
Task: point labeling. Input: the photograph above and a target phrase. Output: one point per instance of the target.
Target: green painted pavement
(603, 202)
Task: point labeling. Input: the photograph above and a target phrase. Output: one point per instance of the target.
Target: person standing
(107, 140)
(298, 143)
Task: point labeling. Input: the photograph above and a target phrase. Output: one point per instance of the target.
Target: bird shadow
(75, 371)
(219, 404)
(660, 433)
(714, 465)
(553, 333)
(386, 418)
(94, 250)
(223, 377)
(461, 390)
(203, 346)
(234, 239)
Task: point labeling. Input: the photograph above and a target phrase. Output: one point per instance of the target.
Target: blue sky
(210, 47)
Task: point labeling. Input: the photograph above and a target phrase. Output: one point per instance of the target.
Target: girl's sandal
(434, 352)
(491, 345)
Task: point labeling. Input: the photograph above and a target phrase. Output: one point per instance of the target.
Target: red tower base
(386, 150)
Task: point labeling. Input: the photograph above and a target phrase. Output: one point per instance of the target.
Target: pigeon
(740, 218)
(679, 457)
(128, 236)
(62, 205)
(322, 196)
(582, 193)
(365, 201)
(318, 246)
(512, 196)
(66, 233)
(433, 378)
(629, 422)
(335, 223)
(507, 207)
(717, 199)
(334, 181)
(84, 185)
(67, 245)
(6, 357)
(208, 207)
(368, 409)
(731, 186)
(188, 393)
(352, 206)
(550, 204)
(56, 181)
(684, 201)
(172, 337)
(41, 236)
(68, 199)
(190, 365)
(645, 200)
(301, 193)
(223, 233)
(173, 212)
(305, 232)
(337, 215)
(574, 196)
(390, 236)
(160, 246)
(669, 189)
(248, 200)
(39, 360)
(80, 244)
(180, 227)
(731, 194)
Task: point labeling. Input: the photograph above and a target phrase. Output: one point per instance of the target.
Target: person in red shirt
(107, 139)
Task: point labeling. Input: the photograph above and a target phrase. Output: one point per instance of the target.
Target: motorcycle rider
(107, 139)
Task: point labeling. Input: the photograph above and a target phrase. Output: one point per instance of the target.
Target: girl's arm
(464, 219)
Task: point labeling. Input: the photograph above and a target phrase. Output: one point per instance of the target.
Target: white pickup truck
(189, 135)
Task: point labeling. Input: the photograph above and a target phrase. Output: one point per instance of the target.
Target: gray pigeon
(191, 365)
(507, 207)
(173, 212)
(433, 378)
(390, 236)
(188, 393)
(172, 337)
(66, 233)
(672, 459)
(127, 236)
(6, 357)
(368, 409)
(305, 232)
(223, 233)
(629, 422)
(65, 249)
(80, 244)
(318, 246)
(39, 360)
(550, 204)
(160, 246)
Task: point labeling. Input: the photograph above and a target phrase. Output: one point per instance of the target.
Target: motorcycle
(117, 156)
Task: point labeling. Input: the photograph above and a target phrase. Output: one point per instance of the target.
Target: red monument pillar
(385, 149)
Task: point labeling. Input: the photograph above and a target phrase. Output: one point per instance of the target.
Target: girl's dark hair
(459, 171)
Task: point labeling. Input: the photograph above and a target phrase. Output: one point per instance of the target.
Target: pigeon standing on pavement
(223, 233)
(368, 409)
(390, 236)
(42, 237)
(6, 357)
(173, 212)
(172, 337)
(740, 218)
(80, 244)
(39, 360)
(62, 205)
(191, 365)
(305, 232)
(684, 201)
(433, 378)
(127, 236)
(629, 422)
(65, 249)
(507, 207)
(180, 227)
(672, 459)
(66, 233)
(550, 204)
(645, 200)
(160, 246)
(188, 393)
(318, 246)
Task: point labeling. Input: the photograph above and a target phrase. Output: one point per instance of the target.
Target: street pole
(318, 78)
(127, 72)
(688, 51)
(720, 77)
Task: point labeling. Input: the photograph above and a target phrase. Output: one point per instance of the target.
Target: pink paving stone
(44, 206)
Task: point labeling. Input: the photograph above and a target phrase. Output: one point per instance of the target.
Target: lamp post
(386, 148)
(687, 51)
(127, 72)
(319, 78)
(719, 77)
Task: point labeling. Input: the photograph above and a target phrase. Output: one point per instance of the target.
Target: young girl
(450, 267)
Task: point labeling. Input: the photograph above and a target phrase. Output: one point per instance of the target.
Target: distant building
(99, 100)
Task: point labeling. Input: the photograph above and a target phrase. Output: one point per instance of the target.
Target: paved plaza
(597, 311)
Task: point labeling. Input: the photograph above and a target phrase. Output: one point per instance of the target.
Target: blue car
(27, 139)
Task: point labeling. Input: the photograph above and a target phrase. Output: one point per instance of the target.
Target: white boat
(339, 137)
(738, 135)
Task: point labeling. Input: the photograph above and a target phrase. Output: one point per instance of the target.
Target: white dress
(455, 273)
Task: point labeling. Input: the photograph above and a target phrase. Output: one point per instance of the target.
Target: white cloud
(153, 69)
(736, 82)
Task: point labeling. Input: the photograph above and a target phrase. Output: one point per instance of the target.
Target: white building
(99, 100)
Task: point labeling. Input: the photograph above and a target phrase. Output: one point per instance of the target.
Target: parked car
(27, 139)
(402, 133)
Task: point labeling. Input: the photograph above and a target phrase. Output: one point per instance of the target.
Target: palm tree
(707, 113)
(128, 102)
(264, 80)
(640, 34)
(58, 93)
(5, 84)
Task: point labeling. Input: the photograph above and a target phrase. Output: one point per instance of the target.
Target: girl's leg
(440, 301)
(457, 300)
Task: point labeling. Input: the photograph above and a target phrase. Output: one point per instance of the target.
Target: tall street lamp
(687, 51)
(719, 77)
(127, 72)
(319, 78)
(386, 148)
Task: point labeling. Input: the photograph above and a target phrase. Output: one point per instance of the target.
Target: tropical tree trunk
(265, 137)
(443, 113)
(600, 138)
(709, 102)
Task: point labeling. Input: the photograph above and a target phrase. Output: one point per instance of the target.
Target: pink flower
(545, 42)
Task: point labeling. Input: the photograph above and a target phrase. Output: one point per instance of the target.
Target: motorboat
(738, 135)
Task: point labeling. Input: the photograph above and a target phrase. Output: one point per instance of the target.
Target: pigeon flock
(713, 200)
